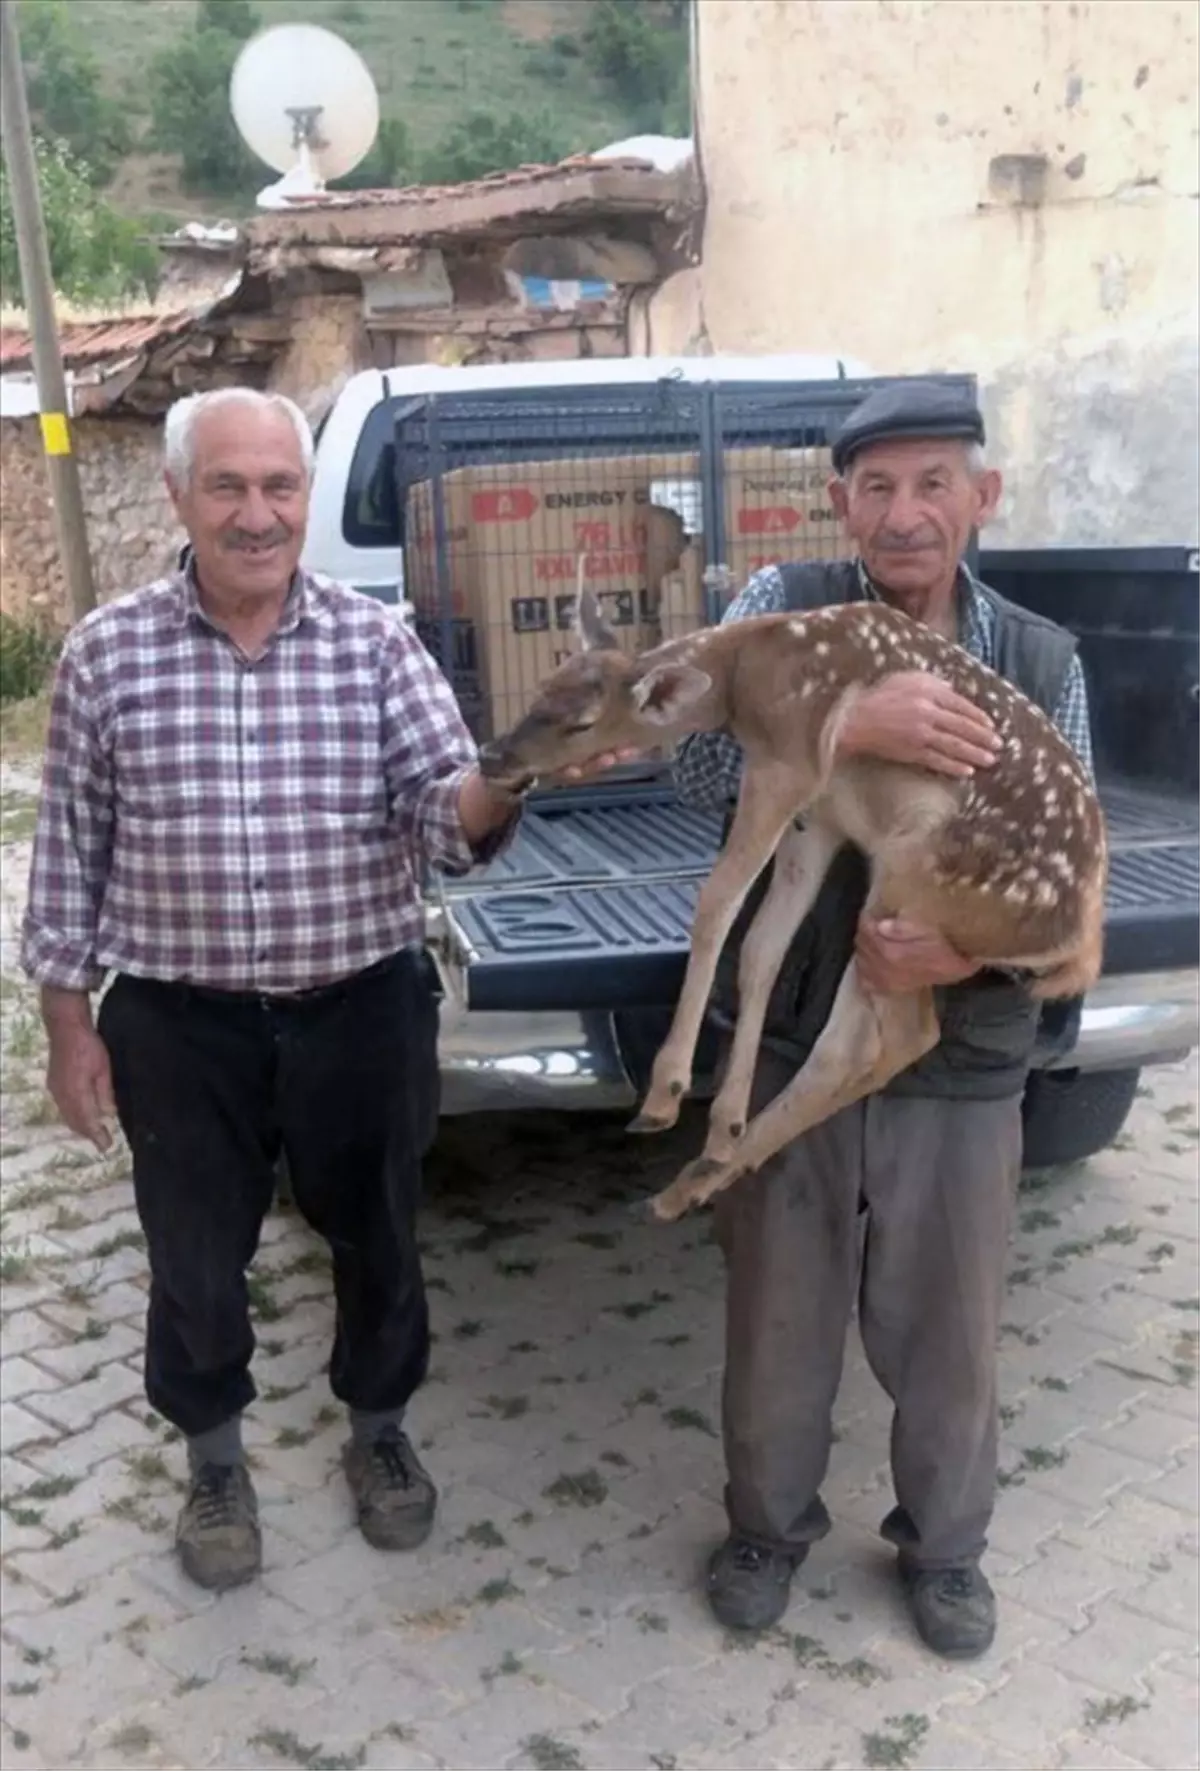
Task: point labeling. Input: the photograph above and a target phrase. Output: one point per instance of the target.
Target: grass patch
(294, 1751)
(1099, 1712)
(689, 1419)
(639, 1307)
(264, 1306)
(484, 1536)
(896, 1742)
(279, 1666)
(518, 1268)
(493, 1592)
(508, 1407)
(585, 1489)
(549, 1753)
(135, 1738)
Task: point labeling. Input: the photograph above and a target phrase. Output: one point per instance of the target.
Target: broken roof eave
(507, 206)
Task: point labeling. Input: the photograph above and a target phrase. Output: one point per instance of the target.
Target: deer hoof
(670, 1204)
(647, 1123)
(694, 1185)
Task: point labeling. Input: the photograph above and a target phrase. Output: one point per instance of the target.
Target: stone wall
(1006, 189)
(327, 344)
(131, 528)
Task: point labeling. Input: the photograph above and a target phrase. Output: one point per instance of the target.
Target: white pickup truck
(561, 962)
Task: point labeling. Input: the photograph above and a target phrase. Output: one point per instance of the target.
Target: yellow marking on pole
(56, 434)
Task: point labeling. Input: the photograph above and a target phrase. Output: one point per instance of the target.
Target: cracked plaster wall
(855, 206)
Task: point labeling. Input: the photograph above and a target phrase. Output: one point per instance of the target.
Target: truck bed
(591, 906)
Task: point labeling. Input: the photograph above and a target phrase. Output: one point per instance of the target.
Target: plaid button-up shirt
(708, 766)
(245, 824)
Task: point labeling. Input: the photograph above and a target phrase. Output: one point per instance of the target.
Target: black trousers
(211, 1088)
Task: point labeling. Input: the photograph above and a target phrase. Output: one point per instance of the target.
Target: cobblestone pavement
(554, 1621)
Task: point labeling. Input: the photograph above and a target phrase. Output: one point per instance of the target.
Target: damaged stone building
(546, 263)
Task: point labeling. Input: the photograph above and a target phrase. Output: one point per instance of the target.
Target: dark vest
(989, 1024)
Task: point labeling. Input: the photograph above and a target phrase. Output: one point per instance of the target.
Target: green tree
(95, 254)
(189, 100)
(390, 165)
(236, 17)
(483, 143)
(66, 99)
(643, 60)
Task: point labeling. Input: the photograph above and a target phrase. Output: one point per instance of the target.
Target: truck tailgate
(591, 906)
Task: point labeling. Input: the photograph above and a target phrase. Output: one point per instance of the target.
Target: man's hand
(895, 956)
(599, 765)
(79, 1079)
(914, 717)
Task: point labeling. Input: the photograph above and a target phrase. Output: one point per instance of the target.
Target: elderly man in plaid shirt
(248, 770)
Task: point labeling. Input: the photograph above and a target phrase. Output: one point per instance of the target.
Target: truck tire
(1070, 1115)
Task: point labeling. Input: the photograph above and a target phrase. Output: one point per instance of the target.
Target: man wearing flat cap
(901, 1204)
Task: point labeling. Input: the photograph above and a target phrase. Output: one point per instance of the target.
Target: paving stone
(23, 1331)
(69, 1633)
(249, 1620)
(1174, 1487)
(21, 1430)
(1171, 1595)
(1160, 1730)
(19, 1377)
(1031, 1711)
(1062, 1582)
(1026, 1516)
(67, 1363)
(1134, 1532)
(948, 1747)
(1148, 1434)
(91, 1700)
(118, 1302)
(72, 1407)
(492, 1732)
(1086, 1752)
(1118, 1649)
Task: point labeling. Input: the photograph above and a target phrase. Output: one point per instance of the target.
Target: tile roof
(84, 342)
(518, 179)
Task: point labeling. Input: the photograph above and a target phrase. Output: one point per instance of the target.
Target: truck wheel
(1070, 1115)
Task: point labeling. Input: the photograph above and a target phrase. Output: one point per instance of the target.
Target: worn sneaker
(749, 1585)
(954, 1609)
(217, 1539)
(393, 1494)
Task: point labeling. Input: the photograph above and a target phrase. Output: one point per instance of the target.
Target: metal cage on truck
(498, 496)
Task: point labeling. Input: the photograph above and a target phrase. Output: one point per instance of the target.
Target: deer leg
(866, 1041)
(770, 798)
(801, 863)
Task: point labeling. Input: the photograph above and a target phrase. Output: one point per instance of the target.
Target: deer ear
(595, 635)
(666, 691)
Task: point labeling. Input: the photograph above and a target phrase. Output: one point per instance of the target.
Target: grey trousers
(906, 1205)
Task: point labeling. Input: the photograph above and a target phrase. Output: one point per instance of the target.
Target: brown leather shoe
(217, 1540)
(394, 1496)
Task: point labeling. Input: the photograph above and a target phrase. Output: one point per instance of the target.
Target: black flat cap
(908, 409)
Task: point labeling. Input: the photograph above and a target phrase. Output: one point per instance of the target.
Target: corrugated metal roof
(94, 341)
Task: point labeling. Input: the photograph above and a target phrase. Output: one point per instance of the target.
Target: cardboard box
(777, 508)
(515, 533)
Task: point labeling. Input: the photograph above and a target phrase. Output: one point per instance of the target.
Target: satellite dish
(304, 102)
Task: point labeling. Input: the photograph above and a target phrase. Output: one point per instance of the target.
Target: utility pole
(38, 285)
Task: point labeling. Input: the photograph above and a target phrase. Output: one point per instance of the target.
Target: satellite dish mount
(307, 141)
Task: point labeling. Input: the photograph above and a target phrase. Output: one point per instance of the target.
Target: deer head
(599, 700)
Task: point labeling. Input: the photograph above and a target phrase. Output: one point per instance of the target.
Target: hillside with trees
(130, 106)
